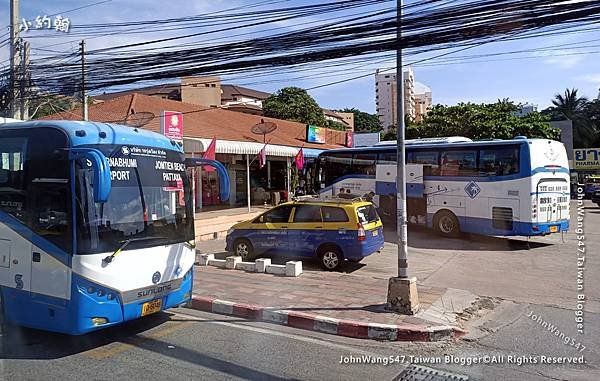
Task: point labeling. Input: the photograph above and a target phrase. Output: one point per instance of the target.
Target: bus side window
(427, 158)
(13, 188)
(499, 161)
(364, 163)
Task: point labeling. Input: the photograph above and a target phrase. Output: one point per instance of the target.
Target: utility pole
(402, 290)
(84, 103)
(25, 75)
(14, 57)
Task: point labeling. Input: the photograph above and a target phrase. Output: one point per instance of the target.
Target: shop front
(250, 183)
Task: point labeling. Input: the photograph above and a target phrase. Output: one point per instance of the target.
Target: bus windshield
(149, 203)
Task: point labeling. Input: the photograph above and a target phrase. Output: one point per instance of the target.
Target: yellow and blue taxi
(332, 230)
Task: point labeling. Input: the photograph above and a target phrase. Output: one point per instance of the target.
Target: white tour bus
(493, 187)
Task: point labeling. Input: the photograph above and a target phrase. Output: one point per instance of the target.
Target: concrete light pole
(402, 290)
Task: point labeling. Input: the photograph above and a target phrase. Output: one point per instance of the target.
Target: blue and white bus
(495, 187)
(96, 224)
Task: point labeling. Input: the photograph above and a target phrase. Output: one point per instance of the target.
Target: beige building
(386, 97)
(423, 103)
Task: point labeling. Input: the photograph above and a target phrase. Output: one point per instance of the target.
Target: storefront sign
(366, 139)
(315, 134)
(171, 125)
(586, 158)
(349, 139)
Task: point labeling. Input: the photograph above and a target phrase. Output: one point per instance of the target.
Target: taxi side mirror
(261, 218)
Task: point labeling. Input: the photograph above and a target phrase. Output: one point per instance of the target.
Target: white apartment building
(386, 97)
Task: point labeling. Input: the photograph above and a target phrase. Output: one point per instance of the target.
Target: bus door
(50, 221)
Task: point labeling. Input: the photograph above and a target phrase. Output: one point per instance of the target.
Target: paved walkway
(330, 294)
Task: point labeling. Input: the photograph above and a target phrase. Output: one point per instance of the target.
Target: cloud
(563, 59)
(590, 78)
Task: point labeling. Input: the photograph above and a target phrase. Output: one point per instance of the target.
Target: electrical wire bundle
(365, 33)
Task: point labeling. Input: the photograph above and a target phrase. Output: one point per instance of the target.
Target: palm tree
(569, 104)
(573, 107)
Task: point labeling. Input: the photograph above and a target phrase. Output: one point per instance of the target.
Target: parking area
(541, 270)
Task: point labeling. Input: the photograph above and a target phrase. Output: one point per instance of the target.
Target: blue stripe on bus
(552, 170)
(413, 190)
(484, 226)
(24, 231)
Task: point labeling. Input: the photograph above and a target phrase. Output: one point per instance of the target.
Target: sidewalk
(332, 302)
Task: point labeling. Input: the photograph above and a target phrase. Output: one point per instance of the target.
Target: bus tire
(243, 248)
(446, 224)
(331, 257)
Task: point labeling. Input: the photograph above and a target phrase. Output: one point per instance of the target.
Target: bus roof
(475, 143)
(113, 133)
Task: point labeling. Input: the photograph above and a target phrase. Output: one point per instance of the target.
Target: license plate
(151, 307)
(553, 229)
(375, 233)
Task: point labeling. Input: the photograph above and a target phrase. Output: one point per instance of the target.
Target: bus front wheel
(446, 224)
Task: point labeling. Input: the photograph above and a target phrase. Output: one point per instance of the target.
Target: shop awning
(197, 145)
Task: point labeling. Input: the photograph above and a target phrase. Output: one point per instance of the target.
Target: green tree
(293, 103)
(479, 121)
(584, 114)
(363, 121)
(570, 104)
(335, 125)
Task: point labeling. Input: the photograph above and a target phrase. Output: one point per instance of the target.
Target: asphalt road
(517, 283)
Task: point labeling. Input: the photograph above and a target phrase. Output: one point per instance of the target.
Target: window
(336, 166)
(12, 183)
(367, 214)
(364, 163)
(333, 214)
(387, 157)
(49, 190)
(428, 158)
(307, 213)
(278, 215)
(499, 161)
(459, 163)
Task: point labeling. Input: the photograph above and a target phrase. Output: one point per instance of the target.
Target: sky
(525, 78)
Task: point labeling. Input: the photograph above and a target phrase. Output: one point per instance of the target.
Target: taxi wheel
(446, 224)
(331, 258)
(243, 248)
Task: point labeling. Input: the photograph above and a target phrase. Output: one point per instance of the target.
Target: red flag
(210, 154)
(262, 156)
(300, 159)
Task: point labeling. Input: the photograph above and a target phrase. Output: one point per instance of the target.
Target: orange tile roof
(201, 121)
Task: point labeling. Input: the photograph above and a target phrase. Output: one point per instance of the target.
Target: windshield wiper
(110, 258)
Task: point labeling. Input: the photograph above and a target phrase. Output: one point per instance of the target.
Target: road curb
(324, 324)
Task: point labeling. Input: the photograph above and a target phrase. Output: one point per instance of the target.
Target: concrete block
(246, 266)
(204, 258)
(232, 261)
(217, 263)
(276, 269)
(293, 268)
(261, 264)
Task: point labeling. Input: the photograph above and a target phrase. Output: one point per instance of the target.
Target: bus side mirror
(223, 176)
(101, 168)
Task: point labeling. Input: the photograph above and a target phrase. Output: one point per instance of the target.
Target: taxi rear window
(367, 214)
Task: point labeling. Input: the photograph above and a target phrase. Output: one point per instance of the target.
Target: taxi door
(272, 233)
(306, 232)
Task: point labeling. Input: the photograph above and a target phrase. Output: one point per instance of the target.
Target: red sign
(171, 125)
(349, 139)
